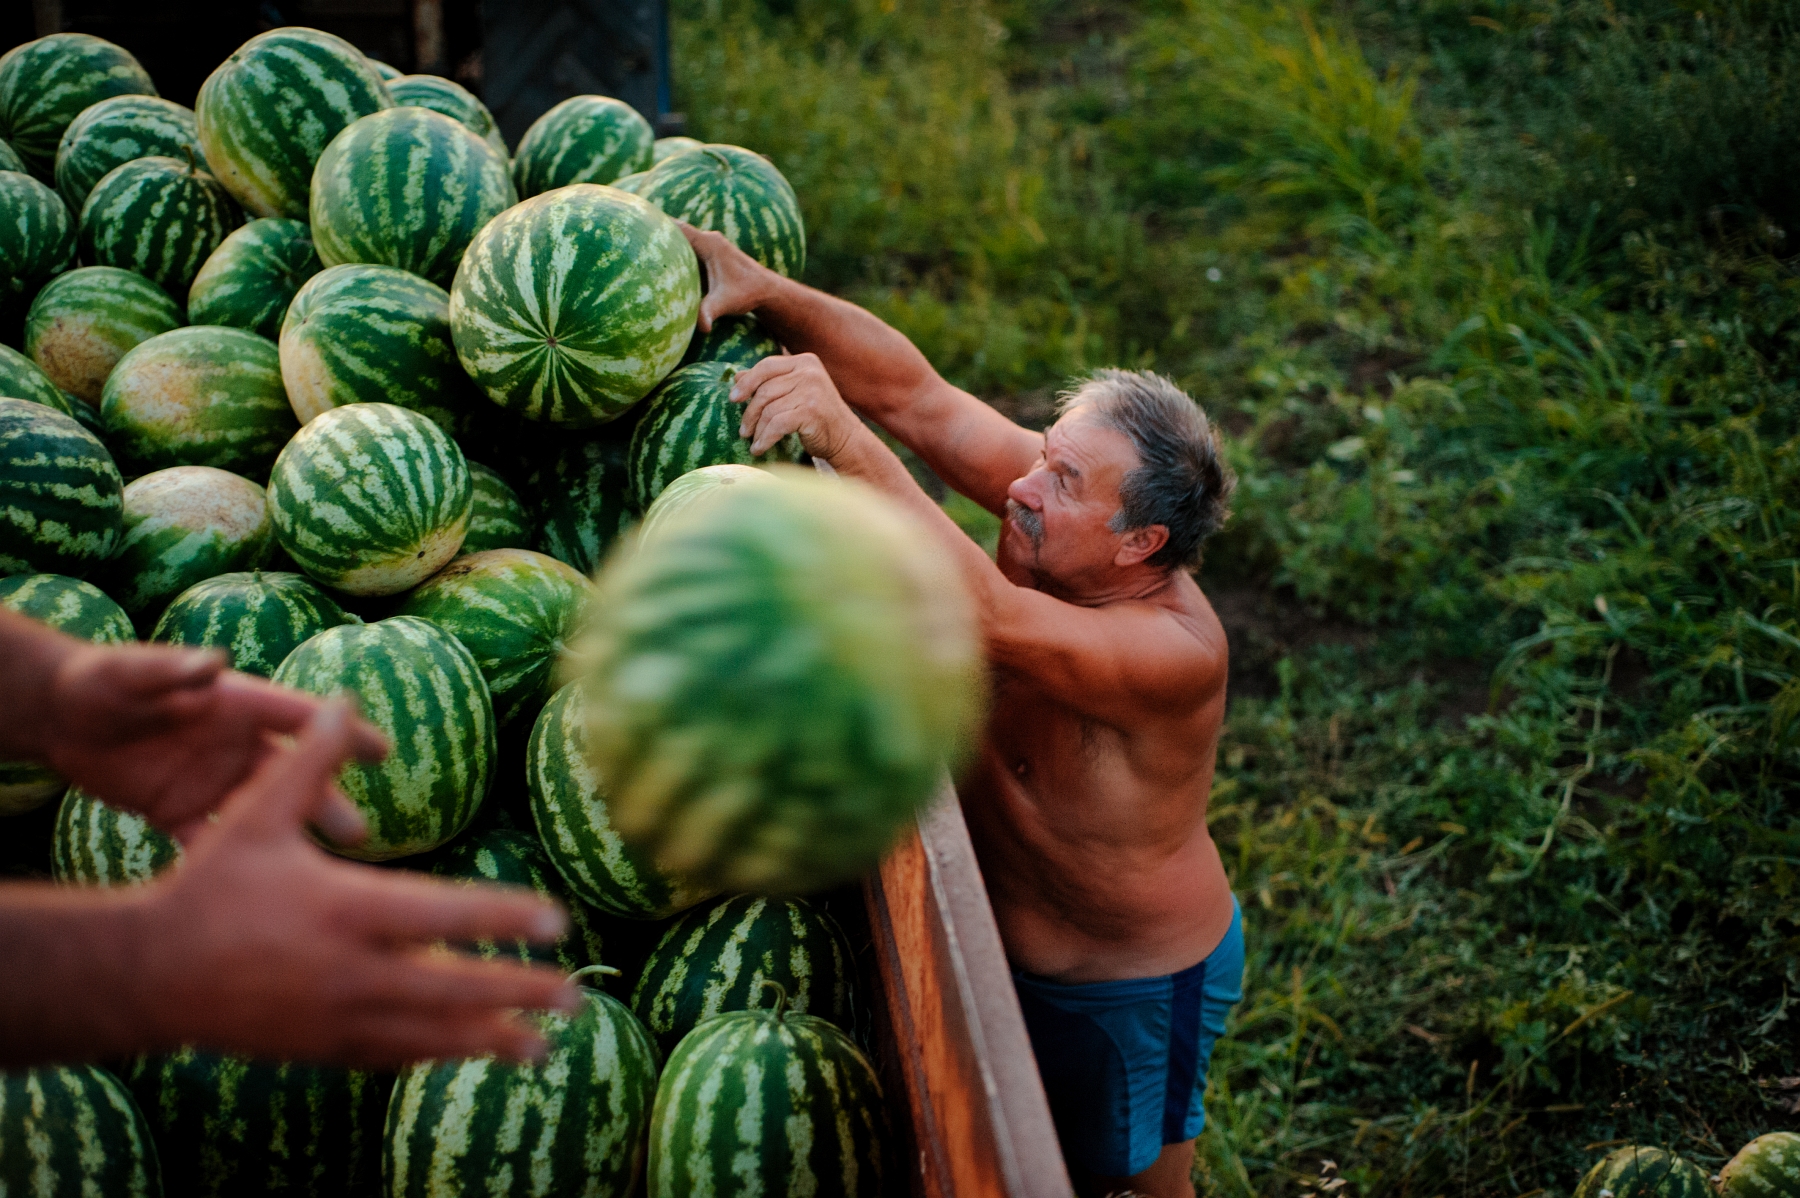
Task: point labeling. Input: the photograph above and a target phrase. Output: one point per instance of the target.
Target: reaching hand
(794, 394)
(259, 943)
(735, 282)
(168, 732)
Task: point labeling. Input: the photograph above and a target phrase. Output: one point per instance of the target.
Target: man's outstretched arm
(1121, 665)
(973, 448)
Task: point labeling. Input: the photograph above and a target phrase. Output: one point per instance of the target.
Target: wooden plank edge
(1030, 1156)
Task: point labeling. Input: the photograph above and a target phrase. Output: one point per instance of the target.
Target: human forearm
(878, 371)
(73, 964)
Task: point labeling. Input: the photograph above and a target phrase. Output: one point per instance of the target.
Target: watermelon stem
(586, 970)
(781, 997)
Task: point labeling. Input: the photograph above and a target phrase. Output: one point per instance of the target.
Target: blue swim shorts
(1124, 1062)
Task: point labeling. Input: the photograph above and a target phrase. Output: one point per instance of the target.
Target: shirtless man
(1087, 801)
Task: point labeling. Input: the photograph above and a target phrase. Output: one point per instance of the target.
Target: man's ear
(1141, 543)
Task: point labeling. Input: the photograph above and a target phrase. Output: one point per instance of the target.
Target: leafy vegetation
(1496, 300)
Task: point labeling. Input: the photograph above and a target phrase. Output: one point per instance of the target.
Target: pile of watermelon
(318, 375)
(1766, 1167)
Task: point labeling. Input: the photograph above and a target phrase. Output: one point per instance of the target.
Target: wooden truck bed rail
(980, 1124)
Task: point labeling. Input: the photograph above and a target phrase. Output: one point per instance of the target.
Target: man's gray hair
(1181, 481)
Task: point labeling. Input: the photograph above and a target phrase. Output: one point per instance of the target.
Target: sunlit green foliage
(1494, 298)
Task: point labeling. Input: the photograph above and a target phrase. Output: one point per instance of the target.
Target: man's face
(1056, 516)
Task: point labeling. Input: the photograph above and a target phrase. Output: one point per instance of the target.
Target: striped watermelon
(83, 322)
(421, 688)
(453, 100)
(633, 182)
(582, 500)
(736, 192)
(681, 494)
(258, 618)
(584, 139)
(406, 187)
(768, 1104)
(10, 160)
(668, 147)
(375, 334)
(200, 396)
(226, 1126)
(571, 306)
(268, 112)
(1635, 1171)
(572, 1124)
(74, 607)
(1766, 1167)
(690, 422)
(182, 526)
(388, 74)
(61, 497)
(113, 132)
(498, 520)
(513, 857)
(251, 278)
(20, 378)
(157, 216)
(716, 959)
(569, 804)
(777, 679)
(518, 612)
(739, 340)
(69, 605)
(71, 1131)
(97, 844)
(37, 239)
(371, 499)
(45, 84)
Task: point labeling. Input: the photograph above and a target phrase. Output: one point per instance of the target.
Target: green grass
(1497, 303)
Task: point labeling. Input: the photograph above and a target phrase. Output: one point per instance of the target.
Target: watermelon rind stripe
(184, 525)
(117, 130)
(371, 498)
(61, 497)
(498, 519)
(690, 422)
(584, 139)
(581, 498)
(159, 217)
(206, 395)
(1766, 1167)
(39, 241)
(787, 1099)
(716, 958)
(268, 112)
(227, 1127)
(422, 689)
(251, 278)
(739, 193)
(21, 378)
(518, 612)
(406, 187)
(569, 806)
(514, 857)
(83, 322)
(258, 617)
(453, 100)
(571, 306)
(74, 1130)
(45, 84)
(573, 1123)
(97, 844)
(375, 334)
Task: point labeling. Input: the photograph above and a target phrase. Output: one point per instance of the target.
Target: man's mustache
(1029, 522)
